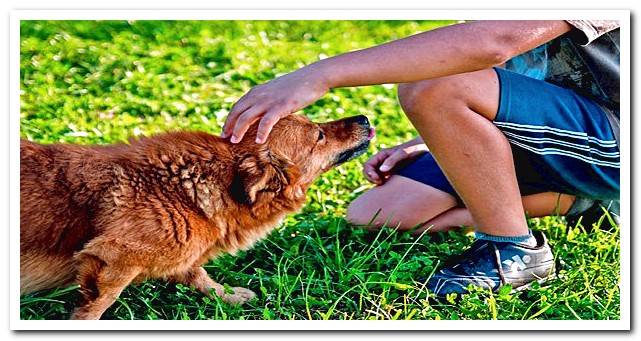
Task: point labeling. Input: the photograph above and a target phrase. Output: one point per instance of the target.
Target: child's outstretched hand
(380, 166)
(271, 101)
(466, 47)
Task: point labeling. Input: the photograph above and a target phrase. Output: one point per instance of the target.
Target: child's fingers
(392, 160)
(267, 123)
(230, 122)
(371, 174)
(378, 158)
(245, 121)
(370, 168)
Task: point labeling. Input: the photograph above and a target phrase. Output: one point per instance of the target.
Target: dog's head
(295, 153)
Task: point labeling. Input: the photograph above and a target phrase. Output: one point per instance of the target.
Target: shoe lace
(466, 258)
(466, 255)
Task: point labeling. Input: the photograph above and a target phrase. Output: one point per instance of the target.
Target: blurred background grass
(96, 82)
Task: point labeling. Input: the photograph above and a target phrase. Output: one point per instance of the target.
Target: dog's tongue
(372, 133)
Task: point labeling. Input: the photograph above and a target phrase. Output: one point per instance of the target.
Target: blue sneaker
(490, 265)
(589, 212)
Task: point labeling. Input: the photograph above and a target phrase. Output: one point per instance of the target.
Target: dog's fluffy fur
(161, 207)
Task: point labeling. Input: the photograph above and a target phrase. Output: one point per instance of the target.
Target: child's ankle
(527, 239)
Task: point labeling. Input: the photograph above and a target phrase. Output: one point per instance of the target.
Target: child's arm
(445, 51)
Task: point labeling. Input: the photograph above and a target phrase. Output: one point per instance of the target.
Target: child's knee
(366, 217)
(361, 215)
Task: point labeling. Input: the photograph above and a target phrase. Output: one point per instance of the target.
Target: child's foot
(589, 212)
(490, 265)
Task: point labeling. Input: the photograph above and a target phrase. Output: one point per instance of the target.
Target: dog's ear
(267, 173)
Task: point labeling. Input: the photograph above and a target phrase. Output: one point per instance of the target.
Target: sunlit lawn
(103, 82)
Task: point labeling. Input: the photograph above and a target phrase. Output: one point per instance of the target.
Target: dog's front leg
(198, 278)
(100, 285)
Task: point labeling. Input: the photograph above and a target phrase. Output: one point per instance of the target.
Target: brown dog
(161, 207)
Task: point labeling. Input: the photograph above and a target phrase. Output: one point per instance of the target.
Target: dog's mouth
(365, 133)
(351, 153)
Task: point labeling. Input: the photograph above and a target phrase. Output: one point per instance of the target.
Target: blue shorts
(561, 142)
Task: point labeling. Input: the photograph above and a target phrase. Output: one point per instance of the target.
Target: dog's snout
(361, 124)
(361, 120)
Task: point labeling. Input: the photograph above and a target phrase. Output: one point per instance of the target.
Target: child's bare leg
(536, 205)
(401, 203)
(448, 220)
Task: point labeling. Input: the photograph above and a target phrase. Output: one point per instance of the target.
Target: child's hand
(379, 167)
(272, 101)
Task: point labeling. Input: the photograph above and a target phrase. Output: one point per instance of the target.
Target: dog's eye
(321, 135)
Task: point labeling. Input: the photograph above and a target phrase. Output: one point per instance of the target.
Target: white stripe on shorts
(546, 140)
(556, 151)
(557, 131)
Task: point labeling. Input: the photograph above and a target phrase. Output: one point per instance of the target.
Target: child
(539, 134)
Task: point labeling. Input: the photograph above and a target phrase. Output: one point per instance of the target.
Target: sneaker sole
(442, 299)
(529, 285)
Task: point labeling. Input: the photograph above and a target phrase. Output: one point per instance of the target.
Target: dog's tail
(41, 271)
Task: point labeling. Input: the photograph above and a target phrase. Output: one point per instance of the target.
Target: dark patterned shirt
(585, 60)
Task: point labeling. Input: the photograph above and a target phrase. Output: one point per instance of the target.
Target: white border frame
(14, 170)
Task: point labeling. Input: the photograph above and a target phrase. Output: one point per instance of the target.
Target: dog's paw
(85, 314)
(239, 296)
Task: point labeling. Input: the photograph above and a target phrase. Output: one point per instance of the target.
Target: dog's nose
(361, 120)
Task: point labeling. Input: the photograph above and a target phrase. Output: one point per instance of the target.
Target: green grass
(103, 82)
